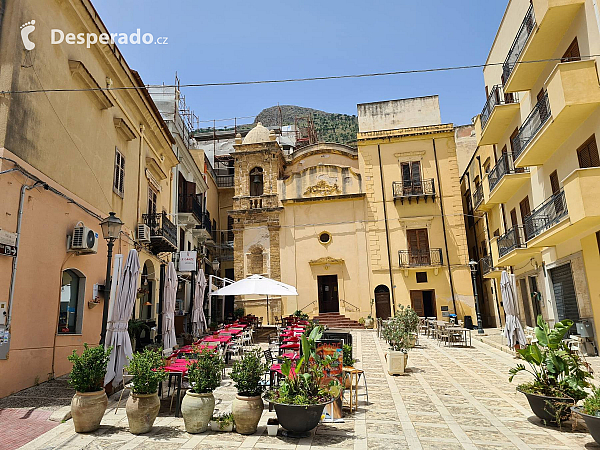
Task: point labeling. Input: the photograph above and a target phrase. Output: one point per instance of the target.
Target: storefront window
(71, 301)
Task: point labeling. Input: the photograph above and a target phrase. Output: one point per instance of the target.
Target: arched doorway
(382, 302)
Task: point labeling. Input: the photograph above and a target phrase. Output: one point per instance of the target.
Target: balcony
(487, 267)
(478, 196)
(163, 233)
(417, 258)
(189, 210)
(203, 230)
(505, 180)
(545, 216)
(225, 181)
(496, 116)
(534, 122)
(573, 94)
(512, 247)
(541, 31)
(413, 190)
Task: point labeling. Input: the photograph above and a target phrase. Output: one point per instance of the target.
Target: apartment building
(533, 182)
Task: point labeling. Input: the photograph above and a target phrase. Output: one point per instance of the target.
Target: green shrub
(147, 371)
(205, 373)
(398, 331)
(348, 360)
(247, 374)
(89, 369)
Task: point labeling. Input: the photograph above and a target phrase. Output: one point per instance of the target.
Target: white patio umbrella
(168, 322)
(257, 285)
(513, 331)
(198, 319)
(116, 328)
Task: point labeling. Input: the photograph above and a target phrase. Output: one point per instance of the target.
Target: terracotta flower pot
(246, 413)
(87, 409)
(142, 410)
(197, 409)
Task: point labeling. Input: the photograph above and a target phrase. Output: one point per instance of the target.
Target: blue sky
(253, 40)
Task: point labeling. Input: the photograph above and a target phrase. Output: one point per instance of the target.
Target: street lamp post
(473, 266)
(111, 228)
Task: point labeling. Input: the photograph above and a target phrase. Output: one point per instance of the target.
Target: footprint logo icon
(26, 29)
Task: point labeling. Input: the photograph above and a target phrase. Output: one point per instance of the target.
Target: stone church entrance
(328, 294)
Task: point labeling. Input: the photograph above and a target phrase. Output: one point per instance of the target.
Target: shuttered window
(554, 182)
(119, 175)
(587, 154)
(418, 246)
(572, 53)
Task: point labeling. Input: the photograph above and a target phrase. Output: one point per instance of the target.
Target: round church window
(325, 238)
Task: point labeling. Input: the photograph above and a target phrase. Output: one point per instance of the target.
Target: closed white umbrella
(116, 328)
(168, 322)
(257, 285)
(198, 319)
(513, 331)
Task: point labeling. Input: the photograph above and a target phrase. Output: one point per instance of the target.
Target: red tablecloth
(232, 331)
(291, 346)
(223, 339)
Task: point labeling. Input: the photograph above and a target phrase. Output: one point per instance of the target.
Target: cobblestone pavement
(451, 398)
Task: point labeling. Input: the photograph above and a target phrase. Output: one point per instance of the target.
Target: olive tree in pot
(590, 411)
(559, 375)
(400, 332)
(143, 404)
(303, 394)
(87, 377)
(198, 404)
(247, 375)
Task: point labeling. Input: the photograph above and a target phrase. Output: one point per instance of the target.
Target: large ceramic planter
(369, 323)
(246, 413)
(546, 407)
(396, 362)
(87, 410)
(197, 409)
(592, 423)
(299, 420)
(142, 410)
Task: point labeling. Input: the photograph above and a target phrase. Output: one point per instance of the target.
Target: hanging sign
(187, 261)
(9, 250)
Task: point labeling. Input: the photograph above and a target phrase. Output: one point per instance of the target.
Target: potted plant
(198, 404)
(590, 411)
(87, 377)
(559, 375)
(369, 322)
(300, 315)
(247, 374)
(302, 395)
(397, 333)
(362, 321)
(348, 361)
(222, 422)
(147, 371)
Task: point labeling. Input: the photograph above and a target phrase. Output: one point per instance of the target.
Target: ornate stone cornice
(327, 260)
(322, 189)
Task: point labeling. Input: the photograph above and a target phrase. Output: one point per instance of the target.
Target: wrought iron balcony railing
(224, 180)
(534, 122)
(496, 97)
(512, 239)
(163, 233)
(478, 195)
(505, 165)
(545, 216)
(418, 258)
(190, 204)
(486, 264)
(206, 223)
(413, 189)
(519, 44)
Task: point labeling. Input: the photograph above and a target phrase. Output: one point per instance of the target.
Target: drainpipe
(387, 231)
(437, 171)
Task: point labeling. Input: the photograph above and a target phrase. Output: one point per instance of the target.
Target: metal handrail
(413, 188)
(224, 180)
(518, 44)
(531, 125)
(496, 97)
(486, 264)
(307, 305)
(512, 239)
(478, 195)
(160, 225)
(417, 258)
(545, 216)
(190, 204)
(505, 165)
(356, 308)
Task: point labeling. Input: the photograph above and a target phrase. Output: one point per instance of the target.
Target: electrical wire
(293, 80)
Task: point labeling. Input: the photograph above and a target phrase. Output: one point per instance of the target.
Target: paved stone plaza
(452, 398)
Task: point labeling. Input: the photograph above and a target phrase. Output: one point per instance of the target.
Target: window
(325, 238)
(418, 246)
(119, 176)
(572, 53)
(256, 182)
(411, 178)
(486, 166)
(587, 154)
(151, 201)
(72, 292)
(421, 277)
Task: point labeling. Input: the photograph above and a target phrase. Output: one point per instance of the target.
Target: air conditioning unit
(84, 239)
(143, 232)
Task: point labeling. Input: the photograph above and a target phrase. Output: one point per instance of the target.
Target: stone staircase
(337, 320)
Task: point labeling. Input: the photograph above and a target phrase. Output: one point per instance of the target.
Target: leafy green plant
(361, 320)
(591, 405)
(238, 313)
(348, 360)
(147, 371)
(311, 326)
(399, 330)
(224, 420)
(135, 327)
(557, 371)
(205, 373)
(300, 315)
(89, 369)
(247, 374)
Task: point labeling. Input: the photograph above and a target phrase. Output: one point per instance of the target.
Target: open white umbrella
(168, 322)
(116, 328)
(198, 319)
(257, 285)
(513, 331)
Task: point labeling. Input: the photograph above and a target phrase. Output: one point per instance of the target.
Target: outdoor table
(232, 331)
(464, 332)
(290, 346)
(219, 339)
(178, 369)
(289, 355)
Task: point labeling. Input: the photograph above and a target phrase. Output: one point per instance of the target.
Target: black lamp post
(473, 265)
(111, 228)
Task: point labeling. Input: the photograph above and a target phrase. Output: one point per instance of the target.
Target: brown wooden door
(515, 223)
(418, 246)
(382, 302)
(416, 302)
(558, 201)
(328, 293)
(525, 213)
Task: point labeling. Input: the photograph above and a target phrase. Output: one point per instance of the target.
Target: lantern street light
(215, 265)
(473, 265)
(111, 228)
